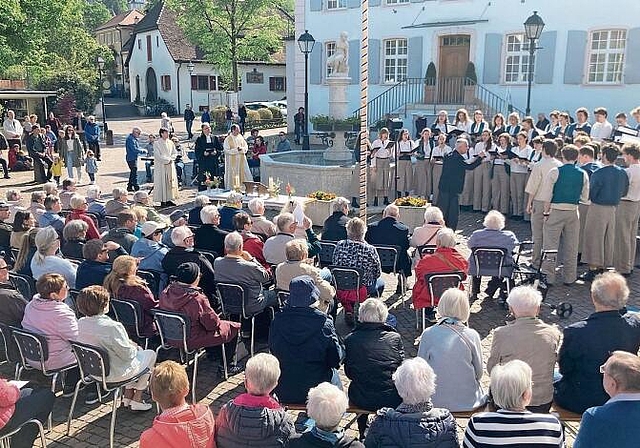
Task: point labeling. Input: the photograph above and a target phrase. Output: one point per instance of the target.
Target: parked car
(282, 105)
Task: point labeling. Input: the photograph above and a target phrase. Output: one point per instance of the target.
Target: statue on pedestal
(339, 60)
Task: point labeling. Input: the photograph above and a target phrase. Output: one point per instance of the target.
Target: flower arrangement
(211, 181)
(322, 195)
(410, 201)
(274, 187)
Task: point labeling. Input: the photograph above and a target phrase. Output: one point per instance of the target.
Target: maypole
(364, 93)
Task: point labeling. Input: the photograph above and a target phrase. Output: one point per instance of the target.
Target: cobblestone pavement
(90, 424)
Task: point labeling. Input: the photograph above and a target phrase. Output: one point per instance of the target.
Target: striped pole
(364, 94)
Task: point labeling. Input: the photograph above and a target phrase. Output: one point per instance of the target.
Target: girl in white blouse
(500, 175)
(406, 148)
(423, 169)
(482, 176)
(519, 163)
(439, 152)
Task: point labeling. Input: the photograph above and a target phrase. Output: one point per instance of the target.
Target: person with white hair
(177, 218)
(529, 339)
(45, 260)
(209, 236)
(492, 236)
(261, 226)
(454, 351)
(119, 202)
(74, 236)
(335, 226)
(37, 204)
(290, 207)
(255, 418)
(96, 205)
(79, 209)
(142, 199)
(355, 252)
(200, 201)
(390, 231)
(425, 234)
(587, 344)
(374, 350)
(615, 422)
(183, 252)
(326, 405)
(274, 247)
(512, 424)
(416, 422)
(14, 200)
(51, 215)
(229, 209)
(444, 260)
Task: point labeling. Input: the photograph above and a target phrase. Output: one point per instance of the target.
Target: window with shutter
(606, 56)
(165, 82)
(516, 63)
(149, 50)
(395, 60)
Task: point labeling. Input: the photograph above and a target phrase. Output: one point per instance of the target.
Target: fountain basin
(308, 171)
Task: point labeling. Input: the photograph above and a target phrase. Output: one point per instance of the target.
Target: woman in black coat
(374, 351)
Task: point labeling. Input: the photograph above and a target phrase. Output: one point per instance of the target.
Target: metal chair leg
(224, 362)
(54, 379)
(193, 381)
(73, 405)
(43, 440)
(114, 409)
(253, 332)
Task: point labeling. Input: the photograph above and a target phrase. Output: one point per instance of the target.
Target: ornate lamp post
(306, 43)
(100, 66)
(191, 67)
(533, 27)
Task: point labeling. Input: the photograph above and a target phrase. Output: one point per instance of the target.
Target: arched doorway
(152, 85)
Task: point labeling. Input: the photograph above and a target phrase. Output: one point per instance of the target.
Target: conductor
(451, 183)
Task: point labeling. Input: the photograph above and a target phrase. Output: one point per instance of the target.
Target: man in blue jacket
(92, 135)
(615, 423)
(133, 151)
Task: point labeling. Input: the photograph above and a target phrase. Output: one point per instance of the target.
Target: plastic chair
(94, 368)
(10, 348)
(176, 327)
(438, 283)
(426, 249)
(5, 439)
(24, 284)
(389, 257)
(325, 257)
(234, 302)
(34, 347)
(153, 279)
(112, 222)
(209, 255)
(488, 260)
(348, 279)
(130, 314)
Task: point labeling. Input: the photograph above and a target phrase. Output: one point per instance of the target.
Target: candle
(237, 180)
(271, 182)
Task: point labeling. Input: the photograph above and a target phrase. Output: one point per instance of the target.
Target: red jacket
(92, 231)
(254, 246)
(9, 395)
(192, 427)
(431, 264)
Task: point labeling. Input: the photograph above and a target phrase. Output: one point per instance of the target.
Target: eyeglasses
(602, 369)
(158, 232)
(5, 267)
(190, 237)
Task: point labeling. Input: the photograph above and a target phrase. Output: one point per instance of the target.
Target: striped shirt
(513, 429)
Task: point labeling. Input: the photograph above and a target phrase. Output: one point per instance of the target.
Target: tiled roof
(123, 19)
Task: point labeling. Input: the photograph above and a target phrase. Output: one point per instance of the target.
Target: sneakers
(92, 396)
(231, 370)
(140, 406)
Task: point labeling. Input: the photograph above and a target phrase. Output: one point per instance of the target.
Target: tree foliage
(233, 30)
(95, 14)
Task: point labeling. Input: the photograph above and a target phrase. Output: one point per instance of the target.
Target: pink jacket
(9, 395)
(193, 427)
(58, 323)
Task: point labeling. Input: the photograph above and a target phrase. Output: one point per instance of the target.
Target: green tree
(95, 14)
(233, 30)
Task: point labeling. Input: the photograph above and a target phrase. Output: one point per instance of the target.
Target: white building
(589, 54)
(158, 68)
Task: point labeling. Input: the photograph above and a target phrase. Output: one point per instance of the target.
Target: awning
(23, 94)
(446, 23)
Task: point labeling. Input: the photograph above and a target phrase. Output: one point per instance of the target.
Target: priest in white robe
(236, 167)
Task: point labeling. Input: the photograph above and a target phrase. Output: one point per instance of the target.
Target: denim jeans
(376, 288)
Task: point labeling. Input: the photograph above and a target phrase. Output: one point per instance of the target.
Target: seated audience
(255, 418)
(528, 339)
(96, 206)
(416, 422)
(261, 226)
(297, 264)
(229, 210)
(512, 424)
(209, 236)
(587, 344)
(250, 242)
(14, 199)
(194, 214)
(5, 229)
(182, 252)
(335, 226)
(96, 266)
(290, 207)
(180, 424)
(355, 253)
(274, 251)
(207, 329)
(119, 202)
(37, 204)
(126, 359)
(425, 235)
(374, 351)
(74, 236)
(444, 260)
(141, 216)
(19, 405)
(493, 235)
(51, 215)
(28, 249)
(12, 305)
(177, 218)
(326, 405)
(305, 342)
(389, 231)
(22, 223)
(124, 233)
(45, 260)
(68, 190)
(79, 211)
(142, 199)
(149, 249)
(454, 351)
(615, 422)
(123, 283)
(48, 315)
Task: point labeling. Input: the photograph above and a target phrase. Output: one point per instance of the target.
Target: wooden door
(454, 57)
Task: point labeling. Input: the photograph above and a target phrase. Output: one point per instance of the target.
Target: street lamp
(100, 65)
(191, 67)
(306, 43)
(533, 27)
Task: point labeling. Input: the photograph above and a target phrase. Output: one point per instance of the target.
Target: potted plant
(412, 210)
(430, 84)
(322, 123)
(320, 207)
(211, 181)
(470, 81)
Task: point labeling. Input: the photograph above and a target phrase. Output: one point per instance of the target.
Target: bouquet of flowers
(211, 181)
(322, 195)
(410, 201)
